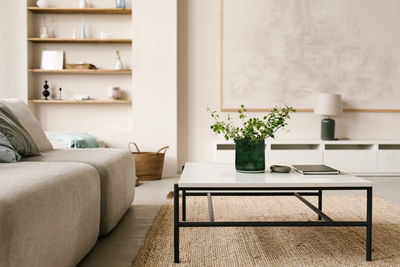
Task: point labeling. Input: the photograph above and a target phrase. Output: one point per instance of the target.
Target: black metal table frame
(298, 192)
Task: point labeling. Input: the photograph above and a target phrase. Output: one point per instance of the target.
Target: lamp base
(328, 129)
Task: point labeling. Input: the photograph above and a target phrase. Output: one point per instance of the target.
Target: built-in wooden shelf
(71, 40)
(54, 10)
(52, 101)
(82, 71)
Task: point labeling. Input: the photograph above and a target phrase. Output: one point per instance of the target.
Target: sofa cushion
(75, 140)
(30, 123)
(8, 154)
(19, 138)
(117, 175)
(49, 213)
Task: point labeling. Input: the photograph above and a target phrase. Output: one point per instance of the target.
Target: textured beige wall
(199, 42)
(286, 51)
(155, 77)
(13, 49)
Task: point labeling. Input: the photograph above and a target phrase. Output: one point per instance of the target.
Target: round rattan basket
(149, 165)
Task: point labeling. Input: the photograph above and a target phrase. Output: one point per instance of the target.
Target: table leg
(176, 222)
(369, 225)
(319, 202)
(183, 205)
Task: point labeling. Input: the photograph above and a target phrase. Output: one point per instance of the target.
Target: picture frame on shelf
(52, 60)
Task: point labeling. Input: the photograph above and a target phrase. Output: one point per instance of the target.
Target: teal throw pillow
(16, 134)
(8, 154)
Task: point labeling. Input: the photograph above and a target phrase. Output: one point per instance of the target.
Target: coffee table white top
(224, 175)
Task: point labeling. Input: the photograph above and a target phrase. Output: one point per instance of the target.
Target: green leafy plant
(255, 129)
(118, 55)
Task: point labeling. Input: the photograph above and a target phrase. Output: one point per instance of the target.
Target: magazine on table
(315, 170)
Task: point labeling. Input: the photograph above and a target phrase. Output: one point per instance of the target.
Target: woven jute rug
(274, 246)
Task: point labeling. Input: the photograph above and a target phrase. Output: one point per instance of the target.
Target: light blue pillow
(8, 154)
(75, 140)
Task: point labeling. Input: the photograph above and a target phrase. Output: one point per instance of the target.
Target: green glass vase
(250, 156)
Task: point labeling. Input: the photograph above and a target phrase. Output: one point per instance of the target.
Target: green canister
(328, 129)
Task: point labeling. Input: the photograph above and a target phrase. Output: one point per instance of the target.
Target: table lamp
(328, 105)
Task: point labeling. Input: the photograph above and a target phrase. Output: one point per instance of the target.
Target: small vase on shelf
(120, 4)
(46, 92)
(83, 30)
(74, 34)
(119, 65)
(82, 4)
(44, 32)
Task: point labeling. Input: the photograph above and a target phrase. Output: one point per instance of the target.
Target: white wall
(13, 49)
(155, 76)
(152, 120)
(199, 44)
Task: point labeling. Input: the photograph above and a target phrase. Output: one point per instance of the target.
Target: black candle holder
(45, 92)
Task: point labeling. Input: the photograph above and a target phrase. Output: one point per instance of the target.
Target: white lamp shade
(329, 105)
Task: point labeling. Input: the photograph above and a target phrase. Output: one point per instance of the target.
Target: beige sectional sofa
(116, 170)
(48, 216)
(54, 206)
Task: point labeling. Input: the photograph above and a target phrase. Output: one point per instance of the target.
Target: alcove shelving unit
(108, 29)
(72, 40)
(62, 42)
(82, 71)
(52, 101)
(55, 10)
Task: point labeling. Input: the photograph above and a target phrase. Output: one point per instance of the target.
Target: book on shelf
(315, 170)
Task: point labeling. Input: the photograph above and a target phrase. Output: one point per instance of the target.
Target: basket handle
(129, 147)
(161, 149)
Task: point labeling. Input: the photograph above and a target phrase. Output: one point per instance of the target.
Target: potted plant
(250, 137)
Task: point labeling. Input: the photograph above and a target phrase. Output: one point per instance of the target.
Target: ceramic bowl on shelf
(114, 92)
(42, 3)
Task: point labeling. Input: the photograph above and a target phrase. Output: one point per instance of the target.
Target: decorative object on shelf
(83, 30)
(42, 3)
(72, 101)
(44, 29)
(328, 105)
(80, 66)
(44, 32)
(52, 60)
(120, 4)
(114, 92)
(82, 4)
(80, 97)
(59, 96)
(280, 168)
(51, 27)
(103, 35)
(53, 93)
(74, 34)
(45, 92)
(118, 65)
(250, 138)
(149, 165)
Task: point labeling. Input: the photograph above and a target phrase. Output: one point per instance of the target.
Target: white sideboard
(357, 157)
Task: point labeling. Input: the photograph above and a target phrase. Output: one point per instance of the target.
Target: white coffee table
(209, 179)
